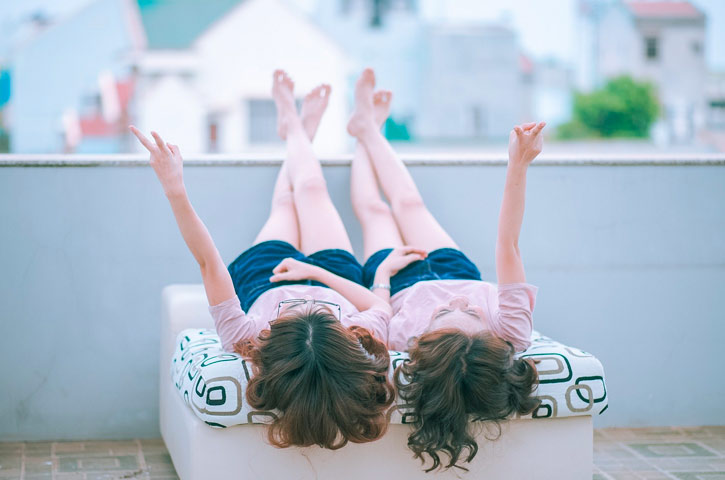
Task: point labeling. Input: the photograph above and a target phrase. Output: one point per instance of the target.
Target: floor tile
(685, 449)
(681, 453)
(699, 475)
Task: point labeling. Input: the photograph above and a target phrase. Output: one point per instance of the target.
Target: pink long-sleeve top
(508, 307)
(233, 324)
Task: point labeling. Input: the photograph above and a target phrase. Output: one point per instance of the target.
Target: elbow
(383, 306)
(228, 347)
(507, 241)
(508, 248)
(521, 346)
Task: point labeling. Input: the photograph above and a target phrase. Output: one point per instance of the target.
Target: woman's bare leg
(320, 224)
(378, 225)
(282, 222)
(417, 225)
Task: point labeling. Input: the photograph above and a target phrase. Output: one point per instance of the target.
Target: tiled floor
(678, 453)
(682, 453)
(116, 459)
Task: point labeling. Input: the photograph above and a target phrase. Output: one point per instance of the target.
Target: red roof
(525, 64)
(664, 10)
(125, 90)
(94, 125)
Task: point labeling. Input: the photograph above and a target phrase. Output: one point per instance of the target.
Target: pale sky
(547, 27)
(534, 20)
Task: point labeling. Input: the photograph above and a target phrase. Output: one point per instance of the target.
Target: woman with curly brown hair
(293, 303)
(461, 333)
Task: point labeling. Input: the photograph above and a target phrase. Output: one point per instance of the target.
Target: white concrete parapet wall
(628, 252)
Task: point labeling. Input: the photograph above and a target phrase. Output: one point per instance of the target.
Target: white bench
(557, 448)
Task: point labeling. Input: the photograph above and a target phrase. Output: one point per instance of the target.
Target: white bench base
(558, 448)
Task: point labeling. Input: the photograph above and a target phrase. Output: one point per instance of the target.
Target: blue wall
(630, 261)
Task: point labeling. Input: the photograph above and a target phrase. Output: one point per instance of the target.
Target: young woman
(292, 303)
(461, 333)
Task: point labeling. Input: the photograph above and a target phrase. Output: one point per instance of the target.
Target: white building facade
(660, 42)
(215, 95)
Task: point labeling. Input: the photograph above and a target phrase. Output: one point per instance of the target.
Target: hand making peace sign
(165, 160)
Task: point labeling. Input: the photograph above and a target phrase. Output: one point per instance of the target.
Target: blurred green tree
(624, 107)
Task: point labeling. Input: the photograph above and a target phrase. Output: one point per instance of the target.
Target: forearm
(509, 266)
(512, 206)
(217, 281)
(193, 230)
(362, 298)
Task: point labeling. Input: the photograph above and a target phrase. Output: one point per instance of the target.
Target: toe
(368, 76)
(313, 93)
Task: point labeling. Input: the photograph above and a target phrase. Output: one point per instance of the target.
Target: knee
(406, 202)
(283, 200)
(370, 208)
(311, 186)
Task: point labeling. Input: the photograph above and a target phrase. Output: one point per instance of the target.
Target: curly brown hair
(329, 383)
(453, 378)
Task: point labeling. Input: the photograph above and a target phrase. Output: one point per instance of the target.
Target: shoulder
(230, 308)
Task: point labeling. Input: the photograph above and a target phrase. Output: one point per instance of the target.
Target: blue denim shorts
(441, 264)
(251, 270)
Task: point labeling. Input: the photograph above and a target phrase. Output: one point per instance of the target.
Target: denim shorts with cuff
(440, 264)
(251, 270)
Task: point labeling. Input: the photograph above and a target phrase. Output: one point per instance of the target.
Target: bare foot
(381, 106)
(362, 118)
(313, 107)
(284, 99)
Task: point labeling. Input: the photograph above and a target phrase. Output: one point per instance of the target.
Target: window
(651, 48)
(213, 130)
(262, 121)
(716, 114)
(479, 123)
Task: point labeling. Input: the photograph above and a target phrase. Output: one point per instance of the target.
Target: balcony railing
(628, 252)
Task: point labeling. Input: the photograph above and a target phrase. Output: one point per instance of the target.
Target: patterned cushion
(212, 382)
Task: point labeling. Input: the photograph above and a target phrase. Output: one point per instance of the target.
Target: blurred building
(205, 77)
(715, 113)
(551, 98)
(715, 93)
(199, 72)
(658, 41)
(63, 81)
(388, 36)
(474, 83)
(450, 81)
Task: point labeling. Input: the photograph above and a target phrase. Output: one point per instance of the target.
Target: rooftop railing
(628, 253)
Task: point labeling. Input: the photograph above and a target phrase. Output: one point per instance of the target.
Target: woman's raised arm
(167, 163)
(525, 143)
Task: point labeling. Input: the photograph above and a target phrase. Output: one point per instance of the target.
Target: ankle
(294, 124)
(368, 130)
